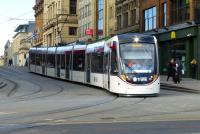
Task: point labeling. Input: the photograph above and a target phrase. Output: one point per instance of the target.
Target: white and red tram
(125, 64)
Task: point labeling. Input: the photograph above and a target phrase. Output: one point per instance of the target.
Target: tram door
(106, 70)
(58, 64)
(88, 68)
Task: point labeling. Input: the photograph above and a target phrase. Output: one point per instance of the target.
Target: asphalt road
(175, 127)
(33, 104)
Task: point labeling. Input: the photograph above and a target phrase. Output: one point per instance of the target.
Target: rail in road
(36, 100)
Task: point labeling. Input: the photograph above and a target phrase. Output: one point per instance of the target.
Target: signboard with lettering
(89, 31)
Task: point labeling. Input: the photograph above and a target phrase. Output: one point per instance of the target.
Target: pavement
(186, 84)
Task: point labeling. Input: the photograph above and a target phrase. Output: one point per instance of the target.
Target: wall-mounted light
(189, 34)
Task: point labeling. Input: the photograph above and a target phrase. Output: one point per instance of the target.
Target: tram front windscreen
(137, 57)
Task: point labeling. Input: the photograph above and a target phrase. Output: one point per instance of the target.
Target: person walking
(10, 62)
(193, 67)
(170, 69)
(177, 71)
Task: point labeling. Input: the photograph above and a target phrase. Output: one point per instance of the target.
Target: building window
(119, 19)
(133, 17)
(150, 18)
(72, 31)
(81, 13)
(164, 17)
(86, 10)
(100, 18)
(197, 11)
(89, 9)
(125, 20)
(73, 6)
(110, 12)
(179, 11)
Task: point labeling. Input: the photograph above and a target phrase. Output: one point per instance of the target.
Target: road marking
(48, 119)
(59, 121)
(6, 113)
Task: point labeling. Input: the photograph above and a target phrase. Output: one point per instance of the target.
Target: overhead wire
(18, 18)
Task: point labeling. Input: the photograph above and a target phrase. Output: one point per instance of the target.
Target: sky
(12, 14)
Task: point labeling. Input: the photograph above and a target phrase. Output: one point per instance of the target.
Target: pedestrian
(179, 68)
(177, 71)
(193, 67)
(170, 68)
(9, 62)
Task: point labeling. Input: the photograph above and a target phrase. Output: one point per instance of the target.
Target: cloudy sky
(12, 14)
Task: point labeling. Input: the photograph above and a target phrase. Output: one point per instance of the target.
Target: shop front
(182, 45)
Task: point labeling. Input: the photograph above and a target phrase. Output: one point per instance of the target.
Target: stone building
(175, 23)
(7, 52)
(22, 41)
(96, 19)
(38, 32)
(2, 61)
(60, 22)
(127, 15)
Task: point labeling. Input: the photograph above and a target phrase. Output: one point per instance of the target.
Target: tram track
(160, 116)
(57, 111)
(97, 111)
(80, 111)
(102, 111)
(11, 89)
(40, 97)
(34, 82)
(70, 119)
(5, 75)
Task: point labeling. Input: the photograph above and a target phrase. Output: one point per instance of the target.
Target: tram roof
(63, 49)
(95, 46)
(130, 37)
(40, 50)
(51, 50)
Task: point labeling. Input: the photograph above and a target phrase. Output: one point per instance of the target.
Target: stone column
(192, 8)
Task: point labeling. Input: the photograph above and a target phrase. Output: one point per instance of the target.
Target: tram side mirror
(113, 45)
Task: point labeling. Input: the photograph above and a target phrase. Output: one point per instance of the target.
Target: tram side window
(97, 63)
(43, 59)
(32, 58)
(38, 59)
(114, 66)
(51, 61)
(79, 62)
(62, 61)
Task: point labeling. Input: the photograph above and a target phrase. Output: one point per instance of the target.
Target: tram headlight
(151, 78)
(135, 79)
(123, 77)
(129, 78)
(136, 39)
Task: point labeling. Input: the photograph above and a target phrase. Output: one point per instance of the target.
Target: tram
(125, 64)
